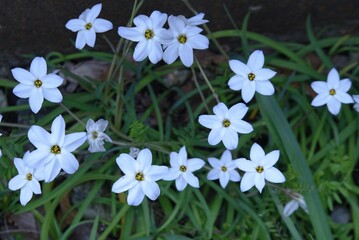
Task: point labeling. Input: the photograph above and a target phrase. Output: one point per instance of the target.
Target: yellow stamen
(38, 83)
(149, 34)
(224, 168)
(55, 149)
(88, 26)
(182, 38)
(29, 176)
(251, 76)
(183, 168)
(226, 123)
(332, 92)
(139, 176)
(259, 169)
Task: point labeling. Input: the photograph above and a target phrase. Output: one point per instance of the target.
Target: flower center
(183, 168)
(182, 38)
(38, 83)
(149, 34)
(224, 168)
(139, 176)
(332, 92)
(259, 169)
(29, 176)
(251, 76)
(55, 149)
(94, 134)
(226, 123)
(88, 26)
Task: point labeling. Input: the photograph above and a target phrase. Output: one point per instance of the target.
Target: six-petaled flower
(96, 135)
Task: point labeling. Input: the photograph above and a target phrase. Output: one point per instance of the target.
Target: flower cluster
(156, 42)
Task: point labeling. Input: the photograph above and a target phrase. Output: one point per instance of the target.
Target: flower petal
(76, 25)
(38, 158)
(213, 174)
(68, 162)
(93, 13)
(20, 165)
(58, 131)
(38, 67)
(135, 195)
(230, 139)
(234, 176)
(274, 175)
(245, 165)
(259, 182)
(334, 106)
(256, 153)
(36, 99)
(173, 173)
(51, 80)
(224, 179)
(198, 42)
(239, 68)
(102, 25)
(215, 163)
(52, 169)
(131, 33)
(156, 53)
(25, 195)
(171, 53)
(264, 74)
(127, 164)
(215, 136)
(319, 86)
(248, 90)
(39, 137)
(256, 60)
(247, 181)
(90, 37)
(321, 99)
(23, 76)
(74, 140)
(221, 110)
(22, 90)
(210, 121)
(144, 159)
(150, 189)
(34, 185)
(52, 95)
(238, 111)
(265, 88)
(141, 51)
(270, 159)
(333, 79)
(344, 85)
(195, 164)
(157, 172)
(181, 183)
(343, 97)
(17, 182)
(241, 126)
(191, 179)
(182, 156)
(158, 19)
(80, 39)
(123, 184)
(290, 207)
(236, 82)
(186, 54)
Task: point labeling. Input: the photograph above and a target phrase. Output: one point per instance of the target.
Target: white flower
(194, 21)
(225, 124)
(182, 168)
(149, 33)
(54, 149)
(87, 25)
(37, 84)
(223, 169)
(356, 102)
(96, 135)
(251, 77)
(333, 92)
(259, 169)
(140, 177)
(27, 180)
(134, 152)
(291, 206)
(184, 40)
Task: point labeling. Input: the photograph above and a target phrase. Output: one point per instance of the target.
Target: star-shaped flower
(140, 177)
(259, 169)
(292, 205)
(195, 20)
(225, 124)
(333, 92)
(185, 38)
(96, 135)
(356, 102)
(251, 77)
(149, 33)
(182, 169)
(54, 149)
(27, 180)
(37, 84)
(223, 169)
(87, 25)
